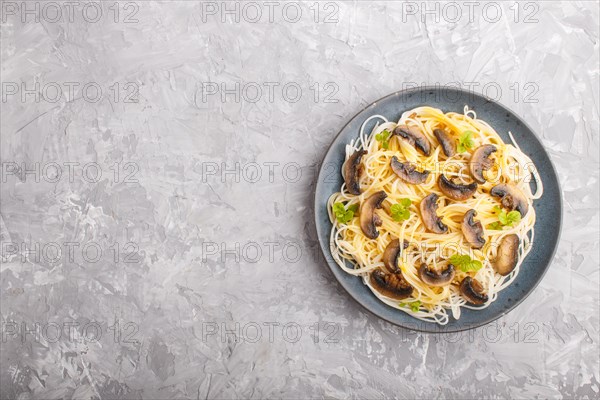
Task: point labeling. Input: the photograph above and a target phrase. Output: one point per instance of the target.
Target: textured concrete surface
(158, 162)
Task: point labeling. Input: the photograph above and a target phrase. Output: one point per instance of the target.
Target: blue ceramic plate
(548, 208)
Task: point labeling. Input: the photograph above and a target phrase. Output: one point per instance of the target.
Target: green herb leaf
(497, 226)
(513, 217)
(505, 219)
(384, 137)
(465, 142)
(414, 305)
(344, 215)
(465, 263)
(400, 211)
(459, 260)
(475, 265)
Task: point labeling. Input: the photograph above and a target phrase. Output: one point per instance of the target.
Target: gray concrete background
(158, 168)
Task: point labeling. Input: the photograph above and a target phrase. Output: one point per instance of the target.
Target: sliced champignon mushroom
(352, 170)
(432, 222)
(456, 191)
(437, 278)
(369, 221)
(414, 136)
(448, 144)
(480, 161)
(472, 291)
(390, 285)
(473, 230)
(408, 172)
(508, 255)
(511, 197)
(391, 255)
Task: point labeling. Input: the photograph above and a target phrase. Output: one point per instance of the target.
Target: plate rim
(441, 328)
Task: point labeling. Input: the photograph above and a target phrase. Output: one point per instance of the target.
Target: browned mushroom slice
(511, 197)
(436, 278)
(448, 144)
(432, 222)
(480, 161)
(369, 221)
(390, 285)
(472, 291)
(352, 170)
(408, 172)
(473, 230)
(391, 255)
(508, 255)
(456, 191)
(414, 136)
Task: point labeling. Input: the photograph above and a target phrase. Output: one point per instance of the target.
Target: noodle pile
(359, 255)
